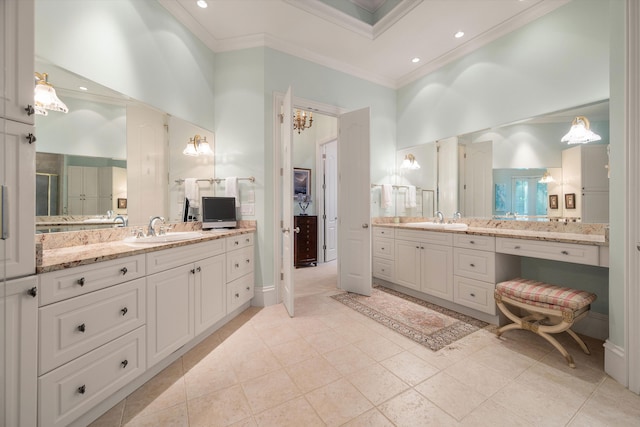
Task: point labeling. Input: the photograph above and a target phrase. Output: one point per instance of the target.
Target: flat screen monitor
(218, 212)
(185, 211)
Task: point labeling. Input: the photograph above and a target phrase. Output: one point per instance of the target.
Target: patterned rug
(425, 323)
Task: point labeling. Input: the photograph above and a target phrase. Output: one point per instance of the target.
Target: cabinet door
(16, 59)
(437, 271)
(407, 267)
(594, 171)
(19, 310)
(18, 169)
(169, 311)
(210, 298)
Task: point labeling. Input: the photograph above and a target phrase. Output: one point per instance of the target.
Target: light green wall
(560, 60)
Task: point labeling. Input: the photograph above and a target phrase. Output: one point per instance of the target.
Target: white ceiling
(381, 53)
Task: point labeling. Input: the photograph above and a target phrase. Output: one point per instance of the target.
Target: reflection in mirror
(496, 171)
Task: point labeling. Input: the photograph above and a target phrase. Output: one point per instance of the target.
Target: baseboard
(594, 325)
(615, 363)
(264, 296)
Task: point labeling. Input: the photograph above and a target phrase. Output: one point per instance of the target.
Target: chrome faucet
(456, 216)
(124, 220)
(440, 217)
(151, 231)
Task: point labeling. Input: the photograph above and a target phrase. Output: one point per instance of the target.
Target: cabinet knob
(82, 389)
(236, 243)
(124, 311)
(198, 269)
(472, 242)
(193, 271)
(31, 138)
(248, 288)
(248, 261)
(472, 265)
(124, 270)
(80, 281)
(247, 240)
(82, 328)
(472, 294)
(417, 247)
(565, 252)
(33, 292)
(382, 249)
(124, 363)
(30, 110)
(237, 295)
(516, 247)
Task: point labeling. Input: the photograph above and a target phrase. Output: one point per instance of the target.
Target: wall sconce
(196, 146)
(410, 162)
(580, 132)
(546, 178)
(45, 96)
(300, 121)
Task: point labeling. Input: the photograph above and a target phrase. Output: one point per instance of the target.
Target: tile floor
(332, 366)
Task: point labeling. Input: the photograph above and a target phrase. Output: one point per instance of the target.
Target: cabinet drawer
(474, 264)
(383, 232)
(474, 294)
(383, 248)
(483, 243)
(241, 241)
(435, 237)
(239, 263)
(567, 252)
(71, 328)
(239, 291)
(69, 391)
(175, 257)
(60, 285)
(383, 268)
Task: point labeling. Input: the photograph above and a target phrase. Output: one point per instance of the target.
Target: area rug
(425, 323)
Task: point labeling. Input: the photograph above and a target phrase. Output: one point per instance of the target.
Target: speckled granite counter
(589, 234)
(58, 251)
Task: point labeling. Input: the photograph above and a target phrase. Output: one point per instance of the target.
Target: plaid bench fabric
(544, 295)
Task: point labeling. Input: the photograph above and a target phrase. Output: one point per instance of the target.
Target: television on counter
(218, 212)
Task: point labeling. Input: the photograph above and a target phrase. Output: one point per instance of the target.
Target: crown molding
(185, 18)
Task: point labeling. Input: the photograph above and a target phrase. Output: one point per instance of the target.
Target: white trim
(278, 98)
(594, 325)
(265, 296)
(615, 363)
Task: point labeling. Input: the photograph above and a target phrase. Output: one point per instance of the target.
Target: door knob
(297, 230)
(365, 225)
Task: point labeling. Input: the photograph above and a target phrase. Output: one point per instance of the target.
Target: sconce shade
(410, 162)
(580, 132)
(45, 97)
(196, 146)
(546, 178)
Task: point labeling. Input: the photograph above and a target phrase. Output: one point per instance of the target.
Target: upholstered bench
(550, 309)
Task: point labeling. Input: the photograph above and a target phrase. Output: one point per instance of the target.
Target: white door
(478, 180)
(330, 240)
(354, 232)
(287, 204)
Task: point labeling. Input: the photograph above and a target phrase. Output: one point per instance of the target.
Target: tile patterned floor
(330, 366)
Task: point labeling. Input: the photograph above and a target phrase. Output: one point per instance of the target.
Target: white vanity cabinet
(424, 262)
(240, 277)
(19, 360)
(383, 253)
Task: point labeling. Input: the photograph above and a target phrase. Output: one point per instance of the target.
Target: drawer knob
(565, 252)
(237, 265)
(248, 288)
(382, 269)
(33, 292)
(382, 249)
(82, 389)
(248, 261)
(124, 363)
(237, 295)
(473, 295)
(472, 265)
(124, 270)
(82, 328)
(516, 247)
(124, 311)
(247, 240)
(472, 242)
(80, 281)
(236, 243)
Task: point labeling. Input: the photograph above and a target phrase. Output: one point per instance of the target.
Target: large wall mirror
(517, 171)
(111, 159)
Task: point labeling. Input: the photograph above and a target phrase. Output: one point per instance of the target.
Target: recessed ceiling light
(458, 34)
(202, 3)
(83, 88)
(416, 59)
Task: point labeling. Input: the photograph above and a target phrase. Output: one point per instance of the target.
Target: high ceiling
(382, 52)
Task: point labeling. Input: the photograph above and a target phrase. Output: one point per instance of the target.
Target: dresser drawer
(483, 243)
(435, 237)
(474, 264)
(567, 252)
(60, 285)
(240, 241)
(383, 269)
(175, 257)
(383, 232)
(71, 390)
(239, 291)
(383, 248)
(474, 294)
(73, 327)
(239, 263)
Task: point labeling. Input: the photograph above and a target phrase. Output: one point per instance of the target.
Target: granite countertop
(59, 258)
(588, 237)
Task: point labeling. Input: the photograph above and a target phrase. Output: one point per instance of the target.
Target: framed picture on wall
(301, 182)
(553, 201)
(122, 203)
(570, 201)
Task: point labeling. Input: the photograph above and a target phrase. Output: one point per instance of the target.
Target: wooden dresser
(306, 241)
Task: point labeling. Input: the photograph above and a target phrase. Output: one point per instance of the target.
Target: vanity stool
(553, 309)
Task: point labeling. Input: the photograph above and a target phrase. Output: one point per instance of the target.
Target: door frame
(301, 103)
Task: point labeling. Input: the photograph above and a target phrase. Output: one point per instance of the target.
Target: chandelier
(300, 121)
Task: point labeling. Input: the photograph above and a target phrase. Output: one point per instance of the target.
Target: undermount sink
(165, 238)
(438, 226)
